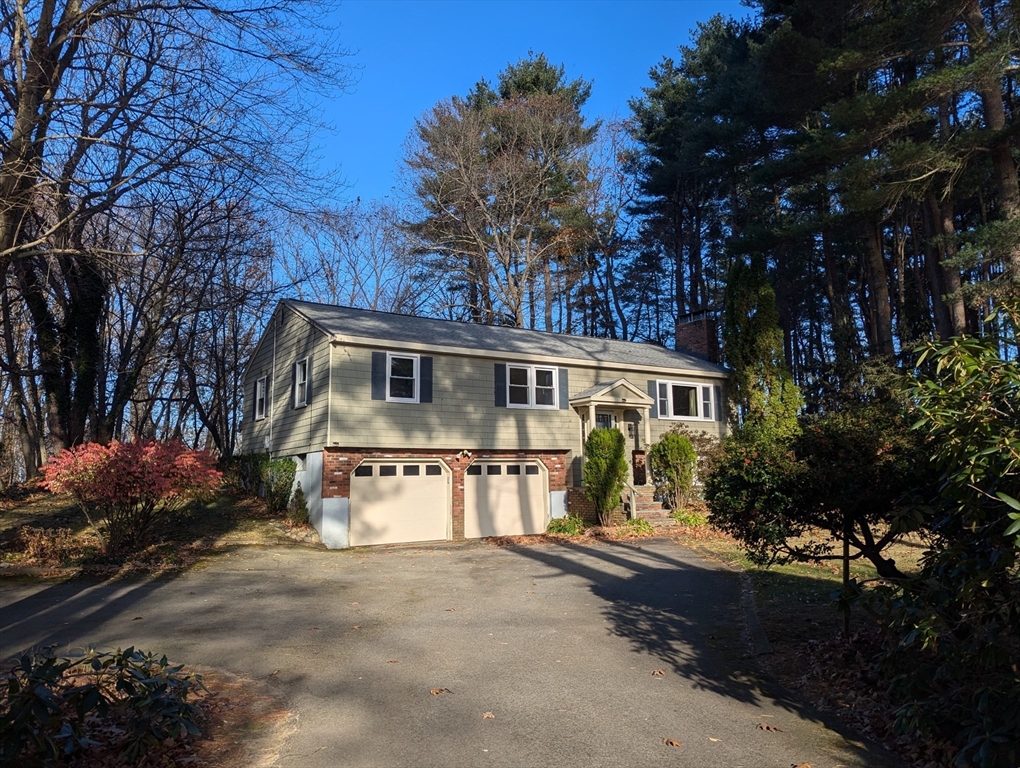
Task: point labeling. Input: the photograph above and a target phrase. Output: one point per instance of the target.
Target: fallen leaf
(488, 716)
(658, 673)
(189, 593)
(356, 626)
(672, 743)
(355, 603)
(769, 727)
(711, 739)
(800, 765)
(312, 629)
(137, 618)
(451, 609)
(437, 691)
(393, 661)
(274, 672)
(530, 592)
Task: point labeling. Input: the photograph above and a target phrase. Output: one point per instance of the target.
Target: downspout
(272, 388)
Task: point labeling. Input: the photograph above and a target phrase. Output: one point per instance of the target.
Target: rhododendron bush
(124, 489)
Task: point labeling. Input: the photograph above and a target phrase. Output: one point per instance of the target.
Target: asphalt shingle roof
(423, 330)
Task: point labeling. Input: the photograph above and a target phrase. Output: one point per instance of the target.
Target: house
(414, 429)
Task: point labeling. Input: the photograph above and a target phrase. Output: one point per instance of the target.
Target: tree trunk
(989, 88)
(878, 285)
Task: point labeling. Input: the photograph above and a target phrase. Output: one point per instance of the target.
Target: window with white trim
(686, 400)
(531, 386)
(260, 397)
(402, 378)
(301, 383)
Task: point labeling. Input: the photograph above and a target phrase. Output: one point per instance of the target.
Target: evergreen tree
(762, 394)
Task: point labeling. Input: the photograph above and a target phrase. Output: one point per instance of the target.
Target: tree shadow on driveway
(685, 612)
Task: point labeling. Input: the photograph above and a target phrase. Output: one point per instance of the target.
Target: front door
(604, 420)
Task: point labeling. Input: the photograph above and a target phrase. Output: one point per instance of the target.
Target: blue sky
(411, 54)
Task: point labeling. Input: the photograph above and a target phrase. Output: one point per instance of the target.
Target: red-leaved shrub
(124, 489)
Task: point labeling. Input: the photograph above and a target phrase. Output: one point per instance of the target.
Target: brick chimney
(695, 334)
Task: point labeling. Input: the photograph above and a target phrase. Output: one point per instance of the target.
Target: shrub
(246, 472)
(849, 473)
(52, 707)
(297, 512)
(604, 471)
(124, 489)
(751, 493)
(256, 474)
(278, 482)
(566, 526)
(55, 546)
(955, 664)
(672, 462)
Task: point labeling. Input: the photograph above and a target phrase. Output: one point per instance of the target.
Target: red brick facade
(339, 463)
(580, 505)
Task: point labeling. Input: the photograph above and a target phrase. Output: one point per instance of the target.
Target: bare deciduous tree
(115, 104)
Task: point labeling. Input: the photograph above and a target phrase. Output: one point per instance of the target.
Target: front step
(648, 508)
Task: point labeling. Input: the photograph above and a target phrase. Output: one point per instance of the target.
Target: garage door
(505, 498)
(394, 502)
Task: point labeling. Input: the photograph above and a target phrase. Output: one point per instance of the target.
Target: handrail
(631, 508)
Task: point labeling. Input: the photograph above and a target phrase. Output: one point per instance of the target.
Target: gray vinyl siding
(291, 430)
(463, 414)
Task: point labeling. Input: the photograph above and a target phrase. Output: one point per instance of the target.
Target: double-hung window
(260, 397)
(686, 400)
(402, 378)
(531, 386)
(301, 383)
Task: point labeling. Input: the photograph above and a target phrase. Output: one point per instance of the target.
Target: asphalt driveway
(558, 642)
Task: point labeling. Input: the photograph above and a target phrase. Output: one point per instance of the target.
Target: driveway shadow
(686, 613)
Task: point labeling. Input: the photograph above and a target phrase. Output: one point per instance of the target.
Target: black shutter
(718, 403)
(293, 384)
(378, 375)
(425, 374)
(653, 390)
(564, 389)
(499, 372)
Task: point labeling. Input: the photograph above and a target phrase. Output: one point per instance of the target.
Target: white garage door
(394, 502)
(505, 498)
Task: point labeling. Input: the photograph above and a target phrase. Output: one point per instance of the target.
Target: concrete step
(653, 516)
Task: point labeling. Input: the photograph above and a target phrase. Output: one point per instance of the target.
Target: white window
(260, 398)
(402, 378)
(686, 400)
(530, 386)
(301, 383)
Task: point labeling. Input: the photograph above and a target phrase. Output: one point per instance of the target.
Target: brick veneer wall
(339, 463)
(580, 505)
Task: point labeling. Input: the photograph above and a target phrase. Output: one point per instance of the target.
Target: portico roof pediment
(618, 392)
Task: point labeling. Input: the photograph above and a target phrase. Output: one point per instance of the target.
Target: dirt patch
(246, 723)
